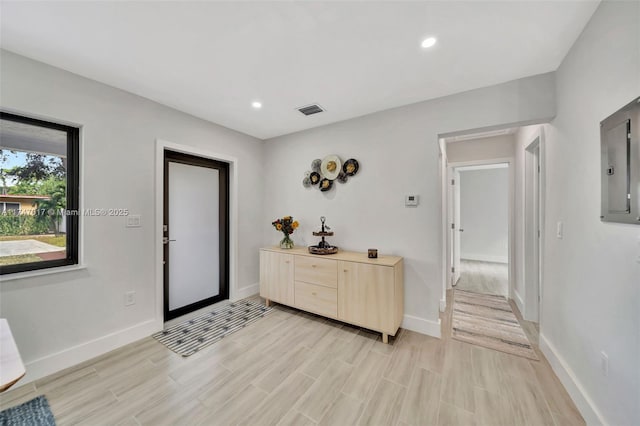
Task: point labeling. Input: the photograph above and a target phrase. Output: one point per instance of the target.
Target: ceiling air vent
(310, 109)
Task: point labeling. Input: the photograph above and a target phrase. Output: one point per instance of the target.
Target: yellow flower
(295, 224)
(279, 226)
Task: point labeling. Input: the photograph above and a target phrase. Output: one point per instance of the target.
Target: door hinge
(453, 226)
(538, 233)
(538, 169)
(453, 269)
(453, 181)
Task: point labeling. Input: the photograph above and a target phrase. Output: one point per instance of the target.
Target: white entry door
(195, 233)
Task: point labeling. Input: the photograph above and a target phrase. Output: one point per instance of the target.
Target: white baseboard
(518, 300)
(568, 379)
(247, 291)
(485, 258)
(421, 325)
(443, 304)
(69, 357)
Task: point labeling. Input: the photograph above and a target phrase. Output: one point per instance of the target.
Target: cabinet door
(366, 295)
(276, 277)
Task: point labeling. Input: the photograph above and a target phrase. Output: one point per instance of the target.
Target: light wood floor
(484, 277)
(292, 368)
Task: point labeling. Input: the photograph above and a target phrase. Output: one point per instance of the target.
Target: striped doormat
(487, 320)
(193, 335)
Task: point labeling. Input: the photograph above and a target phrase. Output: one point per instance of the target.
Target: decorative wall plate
(325, 185)
(331, 166)
(314, 177)
(350, 167)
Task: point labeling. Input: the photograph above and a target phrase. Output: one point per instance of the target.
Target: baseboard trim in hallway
(421, 325)
(49, 364)
(484, 258)
(585, 405)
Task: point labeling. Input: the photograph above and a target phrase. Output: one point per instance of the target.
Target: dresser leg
(267, 302)
(385, 338)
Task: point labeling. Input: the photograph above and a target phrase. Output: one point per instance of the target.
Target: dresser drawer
(317, 299)
(315, 270)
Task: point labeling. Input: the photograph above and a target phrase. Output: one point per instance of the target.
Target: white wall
(591, 293)
(481, 149)
(59, 319)
(398, 154)
(484, 214)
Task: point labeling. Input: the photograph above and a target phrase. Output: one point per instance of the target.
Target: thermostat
(411, 201)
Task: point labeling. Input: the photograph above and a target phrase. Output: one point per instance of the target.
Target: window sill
(41, 272)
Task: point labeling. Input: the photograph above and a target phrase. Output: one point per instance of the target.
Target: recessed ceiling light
(256, 104)
(428, 42)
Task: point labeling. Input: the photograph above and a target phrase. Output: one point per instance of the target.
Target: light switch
(559, 230)
(133, 221)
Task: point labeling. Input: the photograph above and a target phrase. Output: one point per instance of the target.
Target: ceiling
(213, 59)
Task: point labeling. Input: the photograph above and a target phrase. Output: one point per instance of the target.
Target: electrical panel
(620, 170)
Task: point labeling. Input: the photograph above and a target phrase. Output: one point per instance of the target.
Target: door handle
(166, 240)
(461, 230)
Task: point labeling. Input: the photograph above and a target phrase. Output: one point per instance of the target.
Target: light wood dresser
(346, 286)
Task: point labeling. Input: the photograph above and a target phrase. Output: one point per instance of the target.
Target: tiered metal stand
(323, 247)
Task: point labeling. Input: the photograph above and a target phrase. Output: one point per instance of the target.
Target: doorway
(195, 233)
(480, 228)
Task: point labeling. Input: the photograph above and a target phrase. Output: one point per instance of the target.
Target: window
(39, 174)
(10, 207)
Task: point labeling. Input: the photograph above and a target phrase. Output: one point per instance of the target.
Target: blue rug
(32, 413)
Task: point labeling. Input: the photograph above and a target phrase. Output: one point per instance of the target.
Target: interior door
(457, 228)
(195, 233)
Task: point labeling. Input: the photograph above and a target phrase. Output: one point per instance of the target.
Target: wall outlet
(411, 200)
(604, 363)
(130, 298)
(133, 221)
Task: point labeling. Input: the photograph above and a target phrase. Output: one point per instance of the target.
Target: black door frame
(223, 170)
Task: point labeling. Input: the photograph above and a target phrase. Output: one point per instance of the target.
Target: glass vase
(286, 243)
